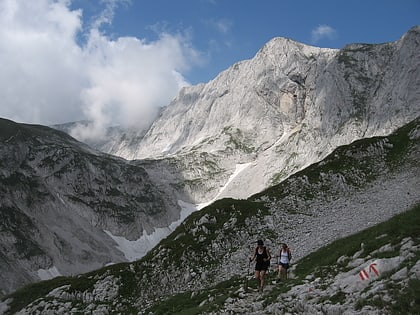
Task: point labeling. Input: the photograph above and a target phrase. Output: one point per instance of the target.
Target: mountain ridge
(282, 110)
(269, 118)
(357, 186)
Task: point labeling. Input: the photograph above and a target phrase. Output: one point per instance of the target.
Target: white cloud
(40, 76)
(323, 31)
(223, 26)
(130, 80)
(47, 77)
(106, 16)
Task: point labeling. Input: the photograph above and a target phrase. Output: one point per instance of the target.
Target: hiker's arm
(253, 256)
(268, 255)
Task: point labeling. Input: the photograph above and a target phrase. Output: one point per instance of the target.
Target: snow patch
(46, 274)
(134, 250)
(166, 149)
(238, 169)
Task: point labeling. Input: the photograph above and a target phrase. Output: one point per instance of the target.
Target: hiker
(285, 256)
(262, 257)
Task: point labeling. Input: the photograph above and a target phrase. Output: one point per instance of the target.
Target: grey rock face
(286, 108)
(58, 197)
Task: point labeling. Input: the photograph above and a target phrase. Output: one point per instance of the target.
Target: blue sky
(227, 31)
(119, 61)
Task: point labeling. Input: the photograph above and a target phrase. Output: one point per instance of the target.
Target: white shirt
(284, 257)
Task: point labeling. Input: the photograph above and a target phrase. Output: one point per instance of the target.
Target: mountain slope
(58, 197)
(376, 271)
(356, 187)
(266, 118)
(286, 108)
(252, 127)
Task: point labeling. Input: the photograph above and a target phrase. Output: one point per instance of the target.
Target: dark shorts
(261, 266)
(285, 266)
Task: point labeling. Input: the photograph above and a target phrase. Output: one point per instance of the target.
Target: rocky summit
(277, 113)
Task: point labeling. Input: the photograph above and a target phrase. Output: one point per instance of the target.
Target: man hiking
(262, 257)
(285, 256)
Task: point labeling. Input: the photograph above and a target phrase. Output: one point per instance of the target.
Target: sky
(117, 62)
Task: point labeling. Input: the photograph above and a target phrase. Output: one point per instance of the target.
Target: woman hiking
(284, 261)
(262, 257)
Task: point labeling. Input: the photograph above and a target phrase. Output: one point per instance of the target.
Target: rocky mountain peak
(254, 126)
(284, 109)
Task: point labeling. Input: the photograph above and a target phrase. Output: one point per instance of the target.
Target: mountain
(275, 114)
(63, 204)
(252, 127)
(114, 137)
(202, 266)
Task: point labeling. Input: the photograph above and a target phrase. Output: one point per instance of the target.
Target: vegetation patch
(401, 226)
(217, 215)
(237, 140)
(202, 302)
(32, 292)
(408, 299)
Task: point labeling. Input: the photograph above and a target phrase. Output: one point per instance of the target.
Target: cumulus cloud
(129, 80)
(322, 31)
(48, 78)
(40, 77)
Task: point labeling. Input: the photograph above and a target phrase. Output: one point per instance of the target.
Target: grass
(321, 263)
(401, 226)
(80, 283)
(408, 299)
(32, 292)
(189, 303)
(218, 213)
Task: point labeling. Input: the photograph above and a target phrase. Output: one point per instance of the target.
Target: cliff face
(286, 108)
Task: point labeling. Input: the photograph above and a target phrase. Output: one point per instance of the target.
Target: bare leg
(281, 272)
(257, 276)
(262, 274)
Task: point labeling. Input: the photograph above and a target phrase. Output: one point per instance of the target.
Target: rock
(342, 259)
(400, 274)
(415, 271)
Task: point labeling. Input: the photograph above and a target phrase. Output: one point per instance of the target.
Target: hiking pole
(247, 277)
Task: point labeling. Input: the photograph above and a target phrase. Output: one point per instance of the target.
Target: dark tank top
(260, 257)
